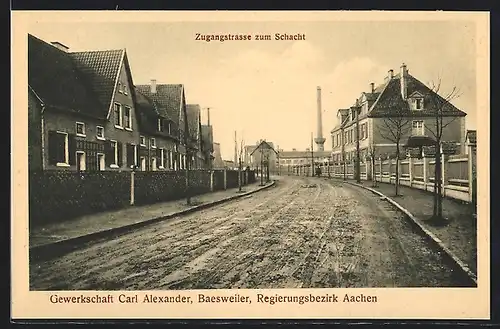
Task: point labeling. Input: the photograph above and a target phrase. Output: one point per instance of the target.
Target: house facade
(287, 160)
(86, 114)
(86, 106)
(198, 156)
(372, 117)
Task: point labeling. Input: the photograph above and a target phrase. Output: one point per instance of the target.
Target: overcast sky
(267, 89)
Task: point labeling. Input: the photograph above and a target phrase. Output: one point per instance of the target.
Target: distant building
(253, 160)
(289, 159)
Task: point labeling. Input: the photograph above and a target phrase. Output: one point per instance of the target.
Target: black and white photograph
(248, 155)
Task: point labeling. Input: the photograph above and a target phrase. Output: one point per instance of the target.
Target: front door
(143, 164)
(100, 161)
(80, 161)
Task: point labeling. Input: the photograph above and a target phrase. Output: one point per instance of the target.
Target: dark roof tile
(168, 98)
(101, 69)
(55, 78)
(193, 116)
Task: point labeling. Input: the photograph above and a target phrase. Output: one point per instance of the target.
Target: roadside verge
(53, 249)
(426, 232)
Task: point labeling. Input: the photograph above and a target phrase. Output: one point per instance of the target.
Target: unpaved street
(305, 232)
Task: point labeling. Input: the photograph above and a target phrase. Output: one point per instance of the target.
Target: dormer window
(160, 124)
(417, 101)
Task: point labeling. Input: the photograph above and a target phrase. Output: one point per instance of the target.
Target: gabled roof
(193, 116)
(54, 77)
(390, 100)
(101, 68)
(471, 136)
(264, 146)
(207, 137)
(167, 98)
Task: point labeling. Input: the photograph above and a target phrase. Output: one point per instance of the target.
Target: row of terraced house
(86, 114)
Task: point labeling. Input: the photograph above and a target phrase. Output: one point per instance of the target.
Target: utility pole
(188, 158)
(278, 156)
(210, 137)
(312, 156)
(358, 156)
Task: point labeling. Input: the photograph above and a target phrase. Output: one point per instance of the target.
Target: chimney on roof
(153, 86)
(404, 85)
(390, 74)
(372, 87)
(60, 46)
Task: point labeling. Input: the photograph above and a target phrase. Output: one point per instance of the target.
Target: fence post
(211, 180)
(225, 179)
(425, 171)
(443, 173)
(132, 187)
(380, 165)
(472, 171)
(410, 170)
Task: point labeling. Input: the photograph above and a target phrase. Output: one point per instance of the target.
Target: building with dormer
(400, 92)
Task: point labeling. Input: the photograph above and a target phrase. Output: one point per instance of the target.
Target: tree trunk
(437, 178)
(396, 183)
(439, 195)
(374, 176)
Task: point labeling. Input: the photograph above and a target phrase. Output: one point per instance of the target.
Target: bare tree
(440, 107)
(239, 165)
(372, 151)
(395, 126)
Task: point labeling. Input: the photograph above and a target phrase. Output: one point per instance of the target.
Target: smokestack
(60, 46)
(372, 87)
(404, 86)
(153, 86)
(320, 140)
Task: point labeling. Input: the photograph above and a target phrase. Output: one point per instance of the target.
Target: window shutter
(130, 155)
(108, 153)
(165, 163)
(72, 149)
(158, 153)
(119, 152)
(52, 147)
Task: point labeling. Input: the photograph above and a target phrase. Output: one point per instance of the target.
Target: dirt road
(305, 232)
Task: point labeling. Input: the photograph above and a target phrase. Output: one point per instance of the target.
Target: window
(100, 132)
(417, 128)
(127, 116)
(153, 164)
(160, 124)
(120, 87)
(125, 89)
(153, 143)
(114, 152)
(80, 129)
(170, 159)
(142, 140)
(118, 116)
(418, 103)
(169, 128)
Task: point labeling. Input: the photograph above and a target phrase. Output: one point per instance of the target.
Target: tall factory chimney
(319, 140)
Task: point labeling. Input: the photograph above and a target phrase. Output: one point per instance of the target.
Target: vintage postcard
(321, 165)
